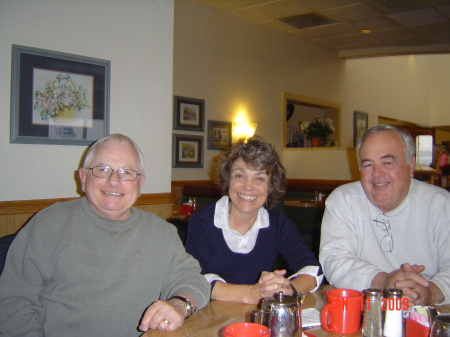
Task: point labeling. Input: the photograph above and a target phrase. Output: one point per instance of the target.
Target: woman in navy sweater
(238, 239)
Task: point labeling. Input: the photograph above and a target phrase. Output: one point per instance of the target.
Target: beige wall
(137, 37)
(237, 64)
(233, 63)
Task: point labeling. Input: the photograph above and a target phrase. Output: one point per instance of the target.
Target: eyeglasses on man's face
(105, 172)
(386, 242)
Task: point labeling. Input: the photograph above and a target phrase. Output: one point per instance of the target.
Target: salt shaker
(393, 322)
(316, 196)
(372, 313)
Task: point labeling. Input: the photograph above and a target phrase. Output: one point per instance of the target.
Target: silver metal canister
(372, 322)
(285, 315)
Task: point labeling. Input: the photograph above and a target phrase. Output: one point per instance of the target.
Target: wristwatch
(187, 304)
(293, 289)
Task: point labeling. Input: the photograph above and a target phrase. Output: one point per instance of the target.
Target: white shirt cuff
(312, 271)
(213, 277)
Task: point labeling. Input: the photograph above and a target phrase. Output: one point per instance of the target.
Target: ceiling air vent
(307, 20)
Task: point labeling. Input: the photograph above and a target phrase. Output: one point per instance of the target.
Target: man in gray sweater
(388, 230)
(97, 266)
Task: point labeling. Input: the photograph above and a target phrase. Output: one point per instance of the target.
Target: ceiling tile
(418, 17)
(368, 45)
(327, 43)
(393, 34)
(279, 9)
(303, 33)
(223, 5)
(336, 23)
(379, 23)
(247, 14)
(279, 25)
(350, 13)
(435, 33)
(307, 20)
(438, 3)
(415, 41)
(247, 3)
(337, 29)
(387, 7)
(444, 10)
(353, 39)
(319, 5)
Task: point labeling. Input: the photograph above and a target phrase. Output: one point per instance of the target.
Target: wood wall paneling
(15, 214)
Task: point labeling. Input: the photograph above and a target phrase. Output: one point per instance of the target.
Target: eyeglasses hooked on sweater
(386, 242)
(105, 172)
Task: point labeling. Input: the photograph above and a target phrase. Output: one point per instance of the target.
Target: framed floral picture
(219, 135)
(58, 98)
(187, 151)
(188, 114)
(360, 124)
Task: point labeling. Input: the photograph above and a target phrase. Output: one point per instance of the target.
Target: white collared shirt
(244, 244)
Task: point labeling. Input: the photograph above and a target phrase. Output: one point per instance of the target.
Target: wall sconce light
(244, 130)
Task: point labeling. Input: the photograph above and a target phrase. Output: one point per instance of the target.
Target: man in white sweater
(97, 266)
(388, 229)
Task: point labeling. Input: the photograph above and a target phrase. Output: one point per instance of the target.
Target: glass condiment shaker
(393, 322)
(372, 313)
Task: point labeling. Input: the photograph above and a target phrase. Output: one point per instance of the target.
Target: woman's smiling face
(249, 188)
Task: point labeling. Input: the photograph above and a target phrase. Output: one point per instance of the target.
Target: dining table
(210, 321)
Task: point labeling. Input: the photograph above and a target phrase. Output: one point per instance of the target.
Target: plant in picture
(318, 130)
(60, 99)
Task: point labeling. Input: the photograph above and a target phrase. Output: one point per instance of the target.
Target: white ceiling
(397, 26)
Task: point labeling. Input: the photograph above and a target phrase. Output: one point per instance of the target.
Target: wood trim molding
(33, 206)
(14, 214)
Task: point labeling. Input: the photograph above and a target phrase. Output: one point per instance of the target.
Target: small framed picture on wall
(188, 114)
(219, 135)
(187, 151)
(360, 124)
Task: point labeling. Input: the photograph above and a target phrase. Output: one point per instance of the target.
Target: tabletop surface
(209, 321)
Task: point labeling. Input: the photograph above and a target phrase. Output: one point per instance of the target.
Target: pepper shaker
(393, 322)
(372, 313)
(316, 196)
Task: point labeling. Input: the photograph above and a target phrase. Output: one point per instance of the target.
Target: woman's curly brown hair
(258, 155)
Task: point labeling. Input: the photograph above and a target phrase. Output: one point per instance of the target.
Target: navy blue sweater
(207, 244)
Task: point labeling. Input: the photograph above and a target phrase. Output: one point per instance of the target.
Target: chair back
(5, 242)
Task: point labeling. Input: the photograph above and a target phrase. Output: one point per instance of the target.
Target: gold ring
(165, 321)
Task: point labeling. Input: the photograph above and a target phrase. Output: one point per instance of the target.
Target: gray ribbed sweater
(70, 272)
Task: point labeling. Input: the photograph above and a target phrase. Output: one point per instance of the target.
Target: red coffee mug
(342, 312)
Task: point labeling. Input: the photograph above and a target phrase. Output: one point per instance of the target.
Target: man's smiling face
(112, 198)
(385, 171)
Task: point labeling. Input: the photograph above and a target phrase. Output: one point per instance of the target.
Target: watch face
(187, 304)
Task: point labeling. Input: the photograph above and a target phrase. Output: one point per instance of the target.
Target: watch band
(294, 290)
(187, 305)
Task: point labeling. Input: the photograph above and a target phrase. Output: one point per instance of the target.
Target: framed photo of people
(58, 98)
(219, 135)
